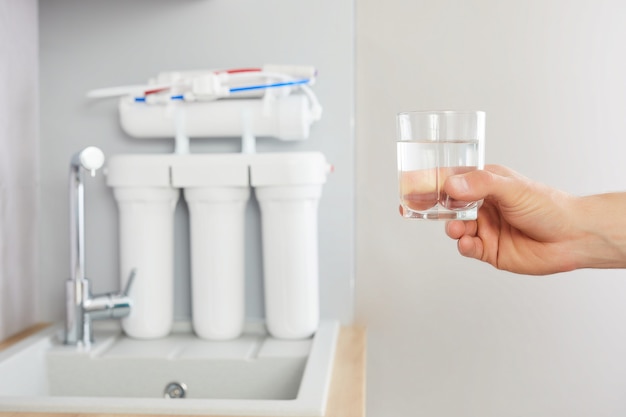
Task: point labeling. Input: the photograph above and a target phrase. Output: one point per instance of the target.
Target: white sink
(254, 375)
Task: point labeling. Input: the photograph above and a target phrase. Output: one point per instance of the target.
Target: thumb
(481, 184)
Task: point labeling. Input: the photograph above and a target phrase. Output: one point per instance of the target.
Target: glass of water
(433, 145)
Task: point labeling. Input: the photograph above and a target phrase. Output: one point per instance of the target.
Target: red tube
(238, 70)
(155, 90)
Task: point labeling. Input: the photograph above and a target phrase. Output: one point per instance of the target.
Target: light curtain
(18, 164)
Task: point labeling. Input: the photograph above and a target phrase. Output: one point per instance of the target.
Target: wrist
(599, 240)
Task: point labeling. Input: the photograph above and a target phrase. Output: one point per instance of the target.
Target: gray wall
(18, 164)
(95, 43)
(449, 336)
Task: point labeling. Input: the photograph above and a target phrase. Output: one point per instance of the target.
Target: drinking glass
(431, 146)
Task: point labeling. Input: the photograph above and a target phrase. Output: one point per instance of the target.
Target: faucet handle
(129, 283)
(111, 305)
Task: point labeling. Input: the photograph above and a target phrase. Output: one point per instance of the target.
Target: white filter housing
(286, 118)
(146, 204)
(217, 218)
(216, 189)
(288, 188)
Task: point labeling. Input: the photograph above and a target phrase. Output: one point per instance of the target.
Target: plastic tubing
(273, 85)
(256, 75)
(302, 83)
(239, 70)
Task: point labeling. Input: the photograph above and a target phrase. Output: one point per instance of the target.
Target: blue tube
(262, 86)
(238, 89)
(143, 99)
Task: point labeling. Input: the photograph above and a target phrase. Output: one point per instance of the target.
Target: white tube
(217, 218)
(146, 219)
(290, 258)
(295, 71)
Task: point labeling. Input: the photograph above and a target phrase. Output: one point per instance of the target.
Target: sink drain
(175, 390)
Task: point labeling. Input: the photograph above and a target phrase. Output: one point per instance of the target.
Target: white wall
(449, 336)
(18, 164)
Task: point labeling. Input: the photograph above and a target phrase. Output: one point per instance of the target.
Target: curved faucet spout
(91, 159)
(81, 306)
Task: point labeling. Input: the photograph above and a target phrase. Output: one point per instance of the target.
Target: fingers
(457, 228)
(472, 247)
(468, 243)
(475, 238)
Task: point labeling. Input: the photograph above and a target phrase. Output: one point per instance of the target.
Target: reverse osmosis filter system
(244, 103)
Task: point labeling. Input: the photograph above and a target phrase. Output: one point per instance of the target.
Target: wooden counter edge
(347, 388)
(22, 335)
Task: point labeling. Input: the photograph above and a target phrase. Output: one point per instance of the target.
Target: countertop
(347, 389)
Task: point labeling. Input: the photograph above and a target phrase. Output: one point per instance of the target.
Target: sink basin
(254, 375)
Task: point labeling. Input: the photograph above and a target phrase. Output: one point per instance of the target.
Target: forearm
(600, 238)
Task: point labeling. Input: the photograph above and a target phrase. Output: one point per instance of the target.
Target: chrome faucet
(81, 306)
